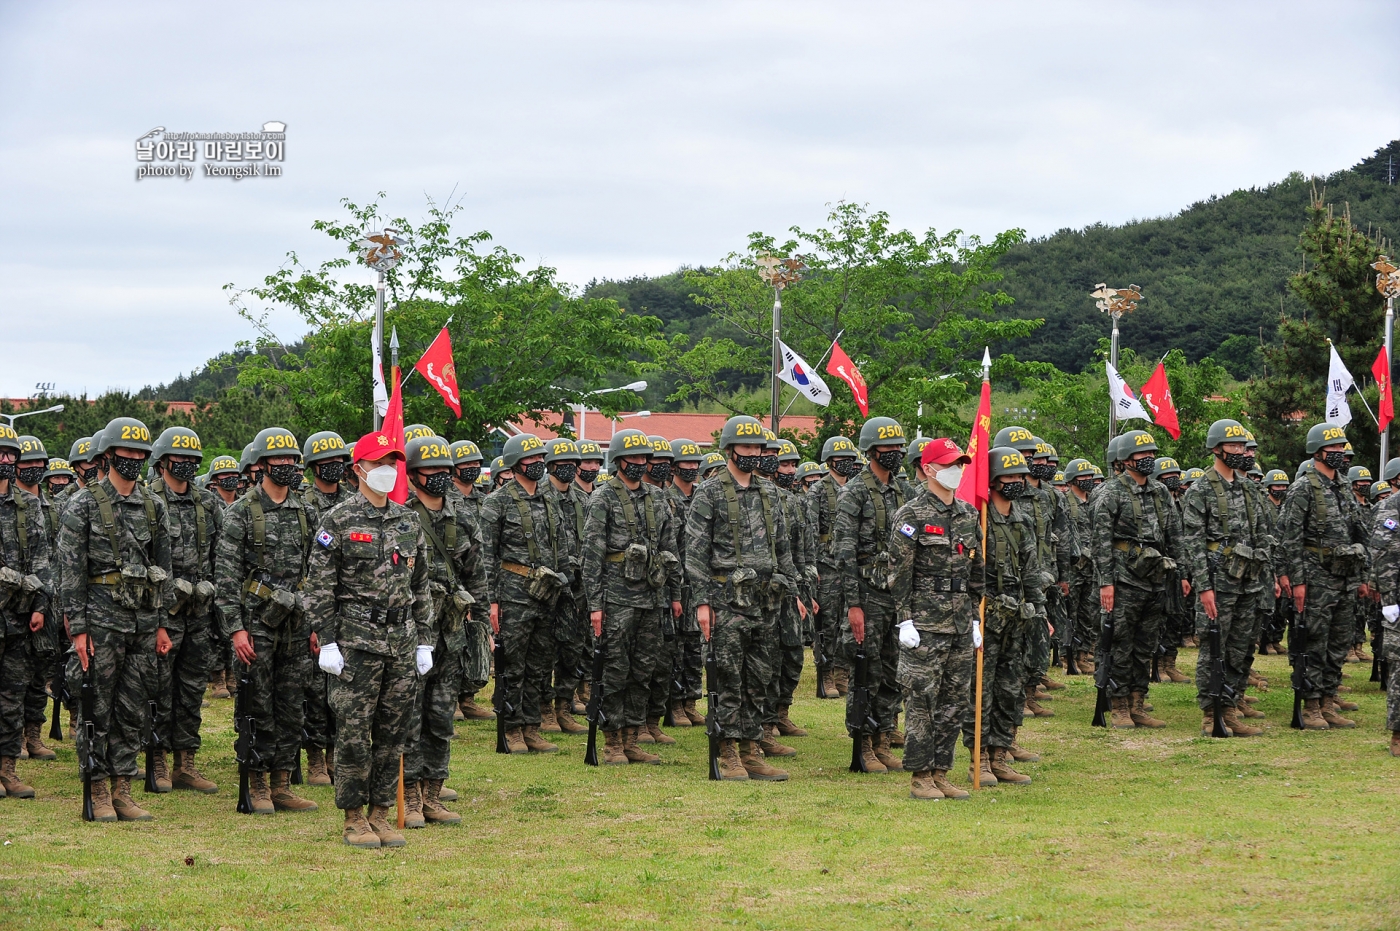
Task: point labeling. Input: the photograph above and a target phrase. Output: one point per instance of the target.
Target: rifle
(61, 695)
(1379, 673)
(1218, 688)
(596, 718)
(152, 748)
(712, 707)
(88, 708)
(859, 716)
(1071, 667)
(677, 685)
(498, 698)
(1103, 673)
(820, 661)
(305, 740)
(245, 746)
(1298, 659)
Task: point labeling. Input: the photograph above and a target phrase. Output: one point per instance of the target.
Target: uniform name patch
(1390, 523)
(907, 530)
(933, 529)
(361, 538)
(325, 539)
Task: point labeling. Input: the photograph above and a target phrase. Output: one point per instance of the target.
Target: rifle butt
(857, 761)
(590, 753)
(245, 799)
(88, 814)
(1297, 722)
(1218, 721)
(56, 726)
(501, 733)
(150, 786)
(1100, 706)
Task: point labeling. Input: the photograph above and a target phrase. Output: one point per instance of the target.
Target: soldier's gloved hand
(1391, 613)
(330, 659)
(977, 636)
(908, 635)
(423, 657)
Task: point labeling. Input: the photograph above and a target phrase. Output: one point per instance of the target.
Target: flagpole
(777, 356)
(1390, 365)
(815, 368)
(982, 633)
(379, 334)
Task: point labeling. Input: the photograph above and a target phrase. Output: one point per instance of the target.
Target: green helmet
(466, 451)
(1076, 469)
(1348, 450)
(1391, 470)
(915, 451)
(712, 461)
(587, 449)
(1050, 453)
(1255, 471)
(1249, 441)
(687, 451)
(661, 448)
(837, 446)
(246, 461)
(1377, 489)
(1277, 477)
(1165, 465)
(1324, 434)
(1018, 438)
(1354, 474)
(31, 449)
(223, 465)
(806, 470)
(428, 452)
(275, 441)
(177, 441)
(1226, 431)
(324, 445)
(1307, 465)
(415, 430)
(1191, 476)
(84, 449)
(787, 451)
(59, 467)
(1007, 461)
(499, 465)
(739, 430)
(771, 442)
(126, 432)
(1134, 442)
(519, 447)
(561, 449)
(880, 431)
(1113, 445)
(630, 443)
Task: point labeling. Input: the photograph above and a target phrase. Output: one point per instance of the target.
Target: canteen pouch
(659, 568)
(455, 608)
(877, 574)
(10, 583)
(1027, 611)
(202, 598)
(279, 607)
(29, 589)
(634, 562)
(131, 590)
(1146, 562)
(744, 584)
(545, 585)
(777, 586)
(181, 591)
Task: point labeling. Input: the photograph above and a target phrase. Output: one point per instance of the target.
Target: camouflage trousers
(830, 621)
(1037, 658)
(276, 692)
(320, 722)
(1238, 616)
(181, 676)
(1003, 688)
(692, 665)
(429, 743)
(1137, 621)
(527, 639)
(744, 648)
(1083, 610)
(787, 663)
(1329, 614)
(882, 663)
(42, 647)
(372, 700)
(663, 675)
(14, 679)
(936, 677)
(570, 645)
(1390, 650)
(632, 645)
(476, 658)
(122, 667)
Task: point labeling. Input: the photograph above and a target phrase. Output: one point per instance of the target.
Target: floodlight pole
(777, 361)
(379, 335)
(1115, 302)
(1390, 363)
(779, 273)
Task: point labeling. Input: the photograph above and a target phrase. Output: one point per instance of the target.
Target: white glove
(977, 636)
(1391, 612)
(908, 635)
(330, 659)
(423, 656)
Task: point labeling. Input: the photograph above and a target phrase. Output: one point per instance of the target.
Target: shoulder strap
(527, 523)
(255, 508)
(443, 550)
(731, 504)
(109, 521)
(768, 524)
(21, 526)
(882, 527)
(629, 511)
(1319, 499)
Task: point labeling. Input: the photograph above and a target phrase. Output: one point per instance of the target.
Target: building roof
(702, 428)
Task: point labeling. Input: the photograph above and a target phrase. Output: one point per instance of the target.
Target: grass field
(1137, 829)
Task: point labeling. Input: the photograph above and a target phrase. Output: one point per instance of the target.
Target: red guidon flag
(437, 367)
(976, 475)
(393, 429)
(843, 368)
(1385, 412)
(1157, 395)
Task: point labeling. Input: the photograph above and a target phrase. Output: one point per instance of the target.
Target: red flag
(977, 475)
(393, 429)
(843, 368)
(1157, 395)
(1386, 406)
(437, 367)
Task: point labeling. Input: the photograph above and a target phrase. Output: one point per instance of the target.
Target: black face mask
(1085, 485)
(1012, 490)
(1173, 482)
(746, 464)
(7, 471)
(891, 459)
(284, 475)
(785, 479)
(30, 475)
(436, 484)
(87, 473)
(634, 470)
(845, 467)
(1143, 466)
(534, 471)
(767, 465)
(469, 474)
(1335, 459)
(565, 471)
(660, 472)
(330, 472)
(228, 482)
(1240, 462)
(1042, 473)
(687, 475)
(182, 471)
(1277, 493)
(588, 476)
(129, 469)
(57, 487)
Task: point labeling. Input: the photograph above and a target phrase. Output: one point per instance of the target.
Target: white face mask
(382, 479)
(949, 478)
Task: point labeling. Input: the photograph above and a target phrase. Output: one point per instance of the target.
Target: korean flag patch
(1390, 523)
(325, 539)
(907, 530)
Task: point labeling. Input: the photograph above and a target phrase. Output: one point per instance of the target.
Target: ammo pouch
(1348, 557)
(140, 587)
(774, 589)
(282, 605)
(1146, 562)
(544, 585)
(1240, 562)
(454, 610)
(745, 587)
(659, 568)
(10, 584)
(876, 573)
(635, 561)
(29, 588)
(182, 591)
(202, 599)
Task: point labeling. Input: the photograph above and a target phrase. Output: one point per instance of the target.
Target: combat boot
(897, 737)
(474, 712)
(563, 714)
(260, 794)
(868, 758)
(357, 830)
(1020, 754)
(730, 767)
(534, 743)
(1138, 713)
(1330, 715)
(102, 809)
(316, 774)
(1208, 724)
(73, 724)
(785, 726)
(653, 727)
(127, 810)
(1345, 688)
(457, 716)
(9, 778)
(941, 783)
(160, 768)
(1034, 707)
(221, 685)
(446, 794)
(829, 684)
(634, 753)
(430, 790)
(515, 740)
(1084, 662)
(922, 787)
(1312, 715)
(678, 718)
(1236, 726)
(581, 697)
(283, 798)
(982, 772)
(1247, 710)
(1174, 674)
(843, 680)
(1050, 685)
(769, 744)
(756, 766)
(379, 823)
(1039, 693)
(1001, 768)
(1395, 743)
(696, 718)
(330, 763)
(1341, 703)
(880, 743)
(547, 722)
(613, 754)
(413, 806)
(1122, 712)
(644, 736)
(188, 776)
(34, 743)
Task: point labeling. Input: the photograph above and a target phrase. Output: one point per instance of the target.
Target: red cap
(374, 446)
(942, 451)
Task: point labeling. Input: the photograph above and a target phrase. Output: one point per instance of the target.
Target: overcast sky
(612, 139)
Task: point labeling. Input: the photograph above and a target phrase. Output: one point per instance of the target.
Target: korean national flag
(799, 374)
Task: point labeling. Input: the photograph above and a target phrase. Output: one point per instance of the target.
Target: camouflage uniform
(741, 634)
(1127, 516)
(317, 691)
(936, 579)
(831, 608)
(42, 645)
(123, 638)
(1082, 606)
(368, 592)
(1054, 549)
(861, 535)
(1385, 579)
(570, 615)
(250, 566)
(1227, 540)
(686, 686)
(25, 549)
(476, 658)
(788, 661)
(636, 614)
